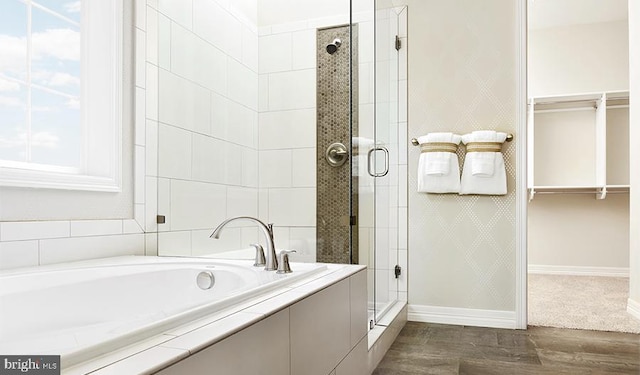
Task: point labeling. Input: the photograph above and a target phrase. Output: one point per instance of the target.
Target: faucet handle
(259, 259)
(283, 264)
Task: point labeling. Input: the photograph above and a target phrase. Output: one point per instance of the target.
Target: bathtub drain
(205, 280)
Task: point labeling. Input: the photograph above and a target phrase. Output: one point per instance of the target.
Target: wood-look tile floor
(425, 348)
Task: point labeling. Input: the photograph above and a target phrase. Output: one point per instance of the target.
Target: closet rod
(414, 141)
(568, 101)
(580, 192)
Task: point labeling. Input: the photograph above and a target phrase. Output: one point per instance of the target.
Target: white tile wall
(245, 201)
(151, 18)
(211, 69)
(275, 168)
(303, 240)
(303, 167)
(263, 93)
(139, 174)
(18, 231)
(243, 124)
(211, 22)
(287, 129)
(140, 59)
(151, 147)
(243, 84)
(209, 159)
(190, 110)
(179, 11)
(292, 90)
(250, 167)
(303, 49)
(140, 120)
(174, 152)
(287, 135)
(95, 227)
(151, 207)
(275, 53)
(19, 254)
(174, 243)
(250, 48)
(233, 164)
(81, 248)
(152, 92)
(163, 58)
(197, 205)
(293, 207)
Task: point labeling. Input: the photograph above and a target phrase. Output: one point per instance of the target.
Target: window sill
(57, 180)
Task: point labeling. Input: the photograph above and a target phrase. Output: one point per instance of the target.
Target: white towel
(360, 165)
(439, 172)
(483, 172)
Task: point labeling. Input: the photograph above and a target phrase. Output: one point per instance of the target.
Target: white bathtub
(83, 310)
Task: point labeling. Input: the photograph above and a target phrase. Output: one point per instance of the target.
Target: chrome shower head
(333, 46)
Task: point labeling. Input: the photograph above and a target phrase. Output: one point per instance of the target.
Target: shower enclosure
(290, 114)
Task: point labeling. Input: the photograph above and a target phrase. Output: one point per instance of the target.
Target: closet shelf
(579, 142)
(600, 192)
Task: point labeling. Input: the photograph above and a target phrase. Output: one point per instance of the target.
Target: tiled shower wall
(337, 119)
(287, 125)
(287, 135)
(207, 125)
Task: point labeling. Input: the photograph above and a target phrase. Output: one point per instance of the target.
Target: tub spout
(267, 230)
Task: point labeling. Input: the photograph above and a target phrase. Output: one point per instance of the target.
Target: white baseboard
(633, 308)
(460, 316)
(579, 270)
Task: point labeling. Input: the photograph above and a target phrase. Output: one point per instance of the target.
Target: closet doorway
(578, 165)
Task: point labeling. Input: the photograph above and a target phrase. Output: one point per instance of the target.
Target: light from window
(60, 93)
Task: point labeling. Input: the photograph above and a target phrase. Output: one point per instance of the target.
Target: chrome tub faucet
(267, 231)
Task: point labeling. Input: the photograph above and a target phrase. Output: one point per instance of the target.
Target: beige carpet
(580, 302)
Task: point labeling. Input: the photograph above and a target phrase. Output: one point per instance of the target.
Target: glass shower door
(387, 136)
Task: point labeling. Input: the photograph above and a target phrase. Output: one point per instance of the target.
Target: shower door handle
(386, 162)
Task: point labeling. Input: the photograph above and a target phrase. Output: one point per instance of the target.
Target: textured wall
(334, 203)
(462, 77)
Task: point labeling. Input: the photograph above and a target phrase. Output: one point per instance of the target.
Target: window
(61, 94)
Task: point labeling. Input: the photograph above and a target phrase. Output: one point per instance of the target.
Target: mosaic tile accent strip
(334, 203)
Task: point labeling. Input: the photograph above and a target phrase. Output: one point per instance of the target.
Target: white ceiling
(555, 13)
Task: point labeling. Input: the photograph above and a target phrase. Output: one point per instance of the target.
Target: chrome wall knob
(336, 154)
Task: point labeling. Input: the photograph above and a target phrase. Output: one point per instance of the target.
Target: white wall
(462, 77)
(579, 231)
(207, 124)
(634, 145)
(287, 134)
(579, 59)
(569, 231)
